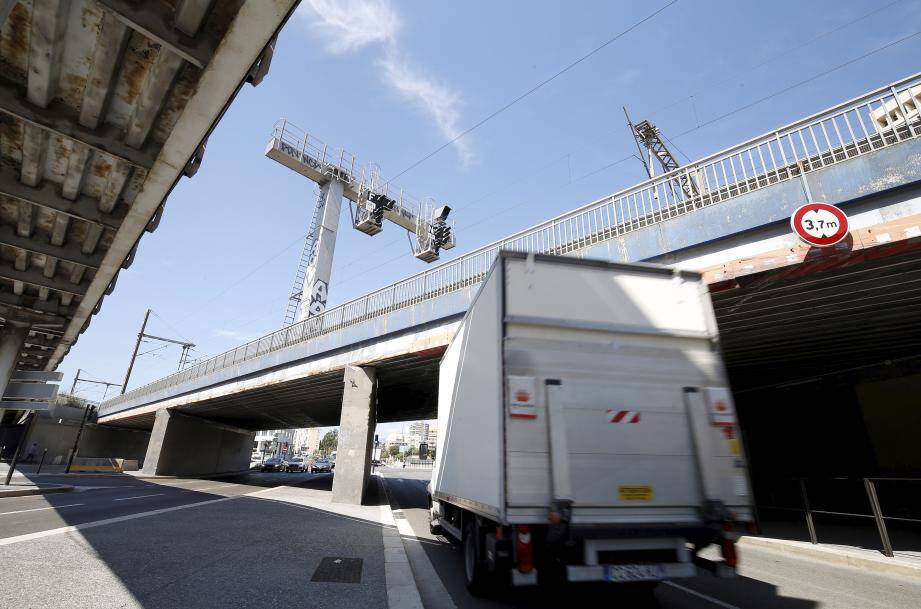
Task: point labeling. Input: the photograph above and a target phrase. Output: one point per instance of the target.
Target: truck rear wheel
(476, 574)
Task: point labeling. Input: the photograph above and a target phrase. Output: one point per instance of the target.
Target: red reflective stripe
(636, 418)
(619, 416)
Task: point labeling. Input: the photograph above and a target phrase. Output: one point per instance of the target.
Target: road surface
(767, 579)
(240, 542)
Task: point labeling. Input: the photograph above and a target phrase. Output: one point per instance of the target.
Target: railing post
(809, 524)
(878, 516)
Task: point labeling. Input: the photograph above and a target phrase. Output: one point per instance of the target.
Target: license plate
(633, 573)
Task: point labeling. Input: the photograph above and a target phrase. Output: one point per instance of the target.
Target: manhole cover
(339, 570)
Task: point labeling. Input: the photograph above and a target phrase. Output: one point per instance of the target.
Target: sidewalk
(21, 485)
(903, 564)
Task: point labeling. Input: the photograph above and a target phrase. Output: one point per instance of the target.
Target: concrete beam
(356, 435)
(46, 43)
(190, 14)
(257, 22)
(46, 195)
(37, 245)
(36, 278)
(156, 88)
(36, 312)
(29, 391)
(12, 338)
(76, 169)
(154, 20)
(61, 120)
(110, 48)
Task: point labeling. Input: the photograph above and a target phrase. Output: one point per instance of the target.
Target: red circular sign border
(797, 217)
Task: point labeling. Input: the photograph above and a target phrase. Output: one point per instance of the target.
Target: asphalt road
(102, 497)
(184, 543)
(767, 579)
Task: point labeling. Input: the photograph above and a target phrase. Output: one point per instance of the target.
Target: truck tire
(435, 528)
(476, 574)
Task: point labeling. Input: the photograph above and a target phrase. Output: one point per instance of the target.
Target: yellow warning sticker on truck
(635, 493)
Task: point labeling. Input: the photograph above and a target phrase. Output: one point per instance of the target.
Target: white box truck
(587, 431)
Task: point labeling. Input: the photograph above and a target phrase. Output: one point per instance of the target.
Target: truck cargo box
(590, 390)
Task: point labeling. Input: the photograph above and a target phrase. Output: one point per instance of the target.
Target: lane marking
(207, 488)
(139, 497)
(705, 597)
(53, 507)
(98, 523)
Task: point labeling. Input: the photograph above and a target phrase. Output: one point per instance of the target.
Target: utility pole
(142, 335)
(135, 354)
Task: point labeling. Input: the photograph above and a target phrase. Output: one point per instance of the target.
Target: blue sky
(391, 81)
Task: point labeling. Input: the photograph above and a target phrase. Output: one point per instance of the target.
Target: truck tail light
(524, 550)
(728, 547)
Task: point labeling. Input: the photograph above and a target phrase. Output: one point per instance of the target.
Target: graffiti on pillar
(318, 298)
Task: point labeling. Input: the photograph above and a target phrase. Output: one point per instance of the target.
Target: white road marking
(137, 497)
(98, 523)
(207, 488)
(715, 601)
(53, 507)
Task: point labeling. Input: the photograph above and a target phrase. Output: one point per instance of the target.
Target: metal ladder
(294, 300)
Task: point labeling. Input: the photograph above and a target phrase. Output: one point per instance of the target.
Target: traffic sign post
(819, 224)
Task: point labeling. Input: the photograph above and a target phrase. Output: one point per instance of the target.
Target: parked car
(295, 464)
(321, 465)
(273, 464)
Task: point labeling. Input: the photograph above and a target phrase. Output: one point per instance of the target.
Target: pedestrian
(404, 463)
(30, 456)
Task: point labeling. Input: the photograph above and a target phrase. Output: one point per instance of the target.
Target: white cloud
(435, 99)
(348, 25)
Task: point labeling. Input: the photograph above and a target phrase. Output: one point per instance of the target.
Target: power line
(691, 130)
(668, 106)
(532, 90)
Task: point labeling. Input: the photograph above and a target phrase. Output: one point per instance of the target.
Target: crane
(338, 174)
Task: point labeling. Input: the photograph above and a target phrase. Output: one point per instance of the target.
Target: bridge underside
(406, 391)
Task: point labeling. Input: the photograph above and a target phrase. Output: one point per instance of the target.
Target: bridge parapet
(841, 133)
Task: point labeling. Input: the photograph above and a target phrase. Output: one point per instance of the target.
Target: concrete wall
(96, 441)
(183, 445)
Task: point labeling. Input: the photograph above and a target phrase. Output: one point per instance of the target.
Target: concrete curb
(402, 591)
(881, 564)
(37, 490)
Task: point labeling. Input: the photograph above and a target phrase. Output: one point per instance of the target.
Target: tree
(394, 450)
(329, 442)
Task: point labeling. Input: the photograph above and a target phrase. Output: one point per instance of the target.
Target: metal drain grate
(338, 570)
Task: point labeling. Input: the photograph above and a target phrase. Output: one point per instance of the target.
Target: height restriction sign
(819, 224)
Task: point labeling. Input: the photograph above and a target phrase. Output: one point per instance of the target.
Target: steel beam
(23, 405)
(154, 20)
(46, 195)
(37, 376)
(35, 278)
(63, 121)
(70, 252)
(30, 391)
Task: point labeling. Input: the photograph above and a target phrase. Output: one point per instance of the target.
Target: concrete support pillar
(356, 435)
(183, 445)
(12, 339)
(316, 281)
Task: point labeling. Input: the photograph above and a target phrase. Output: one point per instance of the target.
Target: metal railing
(842, 132)
(870, 492)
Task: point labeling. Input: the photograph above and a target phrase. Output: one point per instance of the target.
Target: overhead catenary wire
(564, 156)
(667, 106)
(534, 89)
